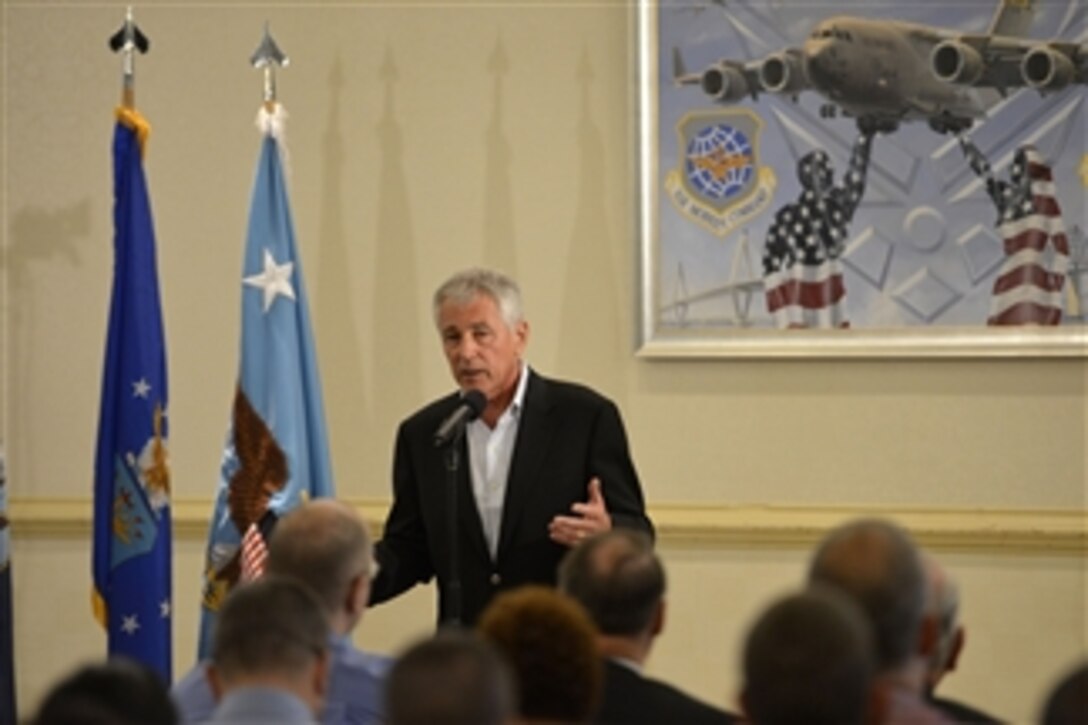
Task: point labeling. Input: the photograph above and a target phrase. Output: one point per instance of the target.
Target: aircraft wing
(1004, 63)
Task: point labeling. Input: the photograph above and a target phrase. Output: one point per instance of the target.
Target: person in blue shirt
(325, 545)
(270, 656)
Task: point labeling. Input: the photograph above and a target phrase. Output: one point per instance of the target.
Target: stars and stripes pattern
(802, 273)
(1029, 284)
(254, 554)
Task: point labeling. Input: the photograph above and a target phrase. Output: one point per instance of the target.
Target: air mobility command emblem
(718, 182)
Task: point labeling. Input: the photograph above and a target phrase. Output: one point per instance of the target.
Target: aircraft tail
(1012, 18)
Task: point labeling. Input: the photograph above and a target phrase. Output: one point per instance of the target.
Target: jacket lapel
(536, 428)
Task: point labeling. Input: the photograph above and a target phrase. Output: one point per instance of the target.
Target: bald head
(618, 578)
(325, 545)
(877, 565)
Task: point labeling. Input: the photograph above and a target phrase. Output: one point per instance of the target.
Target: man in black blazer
(620, 581)
(544, 466)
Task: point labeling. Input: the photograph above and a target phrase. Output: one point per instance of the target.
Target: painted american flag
(1029, 284)
(802, 273)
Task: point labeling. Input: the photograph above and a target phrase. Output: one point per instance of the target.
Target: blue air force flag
(132, 540)
(276, 453)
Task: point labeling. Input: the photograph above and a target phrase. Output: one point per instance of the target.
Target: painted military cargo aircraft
(892, 71)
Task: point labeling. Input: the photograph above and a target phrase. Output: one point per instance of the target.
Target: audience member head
(272, 633)
(942, 606)
(118, 692)
(809, 659)
(1067, 703)
(454, 678)
(877, 564)
(325, 545)
(550, 642)
(619, 580)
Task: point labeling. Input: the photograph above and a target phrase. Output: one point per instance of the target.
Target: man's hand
(590, 518)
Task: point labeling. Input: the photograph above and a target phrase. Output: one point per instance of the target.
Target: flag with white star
(132, 536)
(276, 453)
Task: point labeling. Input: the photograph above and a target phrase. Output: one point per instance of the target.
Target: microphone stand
(454, 598)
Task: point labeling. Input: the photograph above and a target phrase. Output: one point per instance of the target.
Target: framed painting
(847, 179)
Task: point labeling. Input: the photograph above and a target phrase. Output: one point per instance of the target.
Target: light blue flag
(276, 453)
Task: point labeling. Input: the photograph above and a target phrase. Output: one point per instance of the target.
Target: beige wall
(423, 139)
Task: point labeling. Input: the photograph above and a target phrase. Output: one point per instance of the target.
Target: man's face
(483, 353)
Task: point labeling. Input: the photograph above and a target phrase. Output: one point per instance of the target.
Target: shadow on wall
(397, 383)
(38, 237)
(343, 373)
(499, 243)
(594, 344)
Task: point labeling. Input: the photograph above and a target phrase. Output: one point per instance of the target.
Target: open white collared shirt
(490, 451)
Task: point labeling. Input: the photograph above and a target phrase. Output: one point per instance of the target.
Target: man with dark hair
(942, 604)
(455, 678)
(809, 659)
(878, 566)
(270, 656)
(325, 545)
(118, 692)
(619, 580)
(548, 640)
(546, 464)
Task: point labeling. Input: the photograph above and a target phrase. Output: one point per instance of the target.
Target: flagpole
(276, 453)
(126, 41)
(132, 538)
(267, 57)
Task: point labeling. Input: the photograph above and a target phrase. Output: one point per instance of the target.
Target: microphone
(472, 404)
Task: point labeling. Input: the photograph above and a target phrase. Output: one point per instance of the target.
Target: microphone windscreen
(476, 401)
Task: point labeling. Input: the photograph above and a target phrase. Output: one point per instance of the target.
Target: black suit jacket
(631, 698)
(566, 435)
(960, 712)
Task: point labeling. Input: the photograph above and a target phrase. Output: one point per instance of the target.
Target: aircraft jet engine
(1047, 70)
(956, 62)
(724, 82)
(783, 73)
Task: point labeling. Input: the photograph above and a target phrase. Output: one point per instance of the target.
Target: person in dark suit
(453, 678)
(620, 581)
(545, 465)
(809, 658)
(876, 563)
(943, 604)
